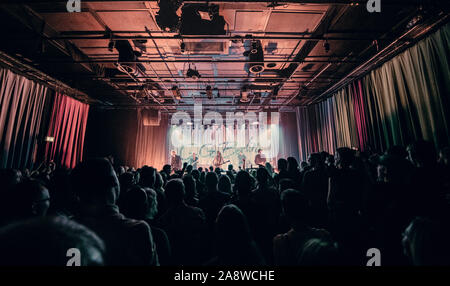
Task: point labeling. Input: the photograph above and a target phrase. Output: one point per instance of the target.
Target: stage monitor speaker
(151, 117)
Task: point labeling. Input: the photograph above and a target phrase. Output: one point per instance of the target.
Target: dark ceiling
(277, 53)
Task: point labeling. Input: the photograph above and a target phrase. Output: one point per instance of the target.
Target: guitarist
(218, 160)
(193, 161)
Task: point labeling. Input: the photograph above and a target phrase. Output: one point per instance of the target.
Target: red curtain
(22, 104)
(67, 127)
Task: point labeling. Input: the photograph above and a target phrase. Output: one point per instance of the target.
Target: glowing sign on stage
(238, 135)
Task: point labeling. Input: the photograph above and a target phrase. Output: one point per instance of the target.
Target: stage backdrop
(122, 134)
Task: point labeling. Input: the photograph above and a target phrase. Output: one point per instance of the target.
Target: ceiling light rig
(326, 46)
(176, 92)
(209, 93)
(193, 73)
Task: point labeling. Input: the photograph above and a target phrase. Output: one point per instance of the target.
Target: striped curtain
(405, 99)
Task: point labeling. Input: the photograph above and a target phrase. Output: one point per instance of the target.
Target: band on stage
(218, 161)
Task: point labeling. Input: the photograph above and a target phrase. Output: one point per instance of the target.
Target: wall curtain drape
(21, 110)
(67, 126)
(405, 99)
(152, 143)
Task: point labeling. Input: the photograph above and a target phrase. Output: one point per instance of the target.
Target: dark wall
(111, 132)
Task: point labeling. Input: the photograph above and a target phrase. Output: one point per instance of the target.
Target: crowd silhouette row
(327, 211)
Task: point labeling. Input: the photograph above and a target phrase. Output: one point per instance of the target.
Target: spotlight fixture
(209, 92)
(193, 73)
(111, 45)
(244, 95)
(326, 46)
(183, 47)
(176, 92)
(256, 57)
(275, 93)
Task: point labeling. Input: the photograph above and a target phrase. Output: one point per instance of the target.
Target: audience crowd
(327, 211)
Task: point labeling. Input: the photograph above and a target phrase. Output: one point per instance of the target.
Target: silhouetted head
(218, 171)
(29, 199)
(243, 183)
(292, 164)
(196, 174)
(344, 157)
(262, 175)
(148, 177)
(49, 242)
(232, 226)
(319, 252)
(211, 181)
(9, 178)
(398, 152)
(282, 164)
(167, 169)
(422, 153)
(126, 181)
(175, 192)
(230, 167)
(134, 203)
(224, 184)
(315, 160)
(95, 182)
(159, 181)
(295, 206)
(189, 187)
(425, 242)
(189, 168)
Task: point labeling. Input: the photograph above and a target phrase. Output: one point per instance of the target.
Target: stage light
(49, 139)
(255, 57)
(326, 46)
(244, 95)
(183, 47)
(176, 92)
(193, 73)
(209, 92)
(111, 45)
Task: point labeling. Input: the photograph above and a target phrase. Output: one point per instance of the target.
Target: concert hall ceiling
(228, 55)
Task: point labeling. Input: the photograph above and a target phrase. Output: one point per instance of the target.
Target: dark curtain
(22, 103)
(120, 133)
(67, 126)
(405, 99)
(112, 133)
(152, 145)
(288, 140)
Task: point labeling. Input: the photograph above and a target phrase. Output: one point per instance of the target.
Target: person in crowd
(141, 204)
(234, 243)
(185, 227)
(282, 166)
(287, 246)
(50, 241)
(319, 252)
(231, 173)
(148, 179)
(28, 199)
(97, 187)
(267, 202)
(345, 200)
(315, 185)
(425, 242)
(191, 197)
(214, 199)
(63, 201)
(224, 185)
(293, 171)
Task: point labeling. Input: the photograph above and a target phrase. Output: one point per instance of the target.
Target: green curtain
(405, 99)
